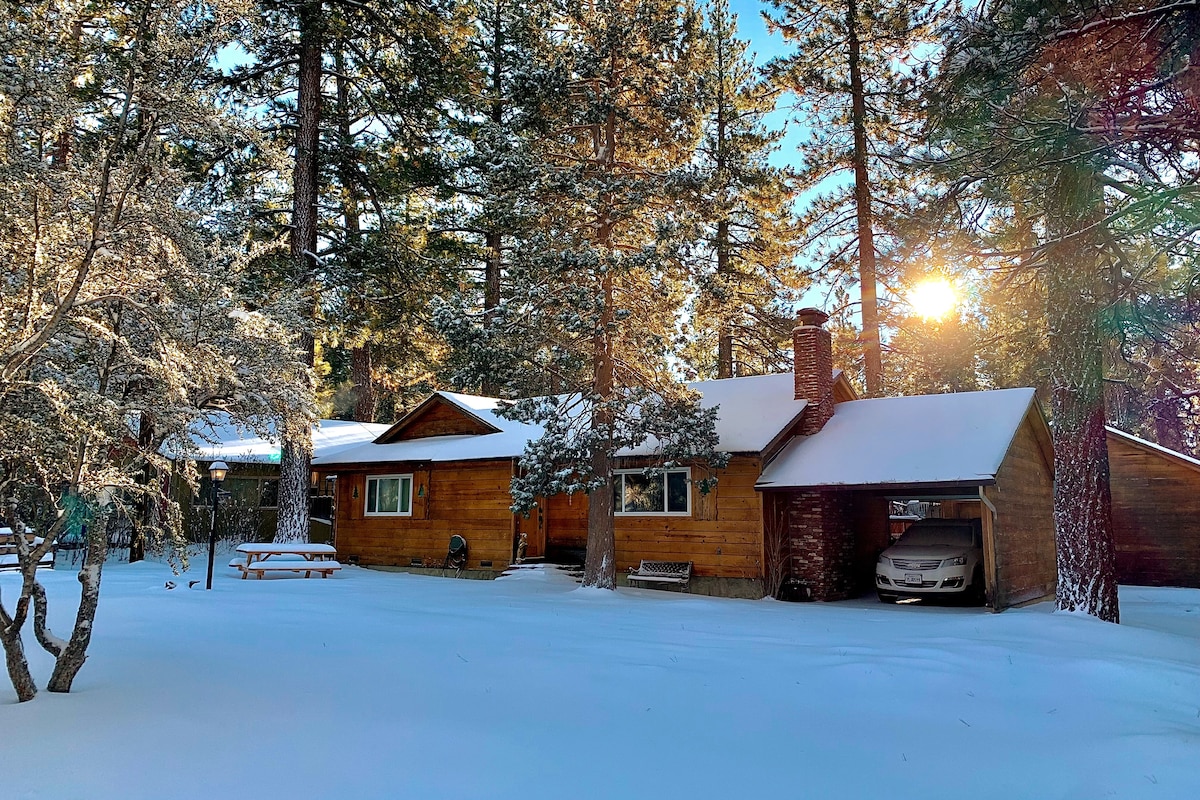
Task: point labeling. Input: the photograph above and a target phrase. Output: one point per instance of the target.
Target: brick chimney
(813, 348)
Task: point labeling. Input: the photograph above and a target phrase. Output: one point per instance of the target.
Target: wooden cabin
(1156, 512)
(445, 469)
(250, 512)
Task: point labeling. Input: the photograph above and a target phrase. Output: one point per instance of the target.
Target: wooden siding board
(469, 500)
(1026, 562)
(1156, 516)
(728, 546)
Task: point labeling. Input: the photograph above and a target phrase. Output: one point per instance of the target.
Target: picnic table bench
(679, 572)
(9, 557)
(281, 557)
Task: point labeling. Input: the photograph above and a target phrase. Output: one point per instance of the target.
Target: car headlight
(885, 560)
(957, 561)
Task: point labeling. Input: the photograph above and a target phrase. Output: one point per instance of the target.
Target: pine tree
(600, 285)
(502, 127)
(858, 103)
(387, 64)
(747, 274)
(1056, 113)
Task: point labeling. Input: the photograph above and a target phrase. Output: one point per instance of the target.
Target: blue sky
(765, 46)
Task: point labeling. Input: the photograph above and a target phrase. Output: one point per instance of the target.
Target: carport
(984, 454)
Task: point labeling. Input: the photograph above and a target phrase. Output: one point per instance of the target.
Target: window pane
(618, 493)
(677, 492)
(643, 494)
(269, 497)
(372, 495)
(405, 494)
(389, 495)
(242, 492)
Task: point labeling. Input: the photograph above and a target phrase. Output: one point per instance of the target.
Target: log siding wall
(467, 498)
(722, 537)
(1156, 516)
(1026, 564)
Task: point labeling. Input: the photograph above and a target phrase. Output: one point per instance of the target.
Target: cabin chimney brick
(813, 349)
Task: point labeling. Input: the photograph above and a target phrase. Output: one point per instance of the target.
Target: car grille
(905, 563)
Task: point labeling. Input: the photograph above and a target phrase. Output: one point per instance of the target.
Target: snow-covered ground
(376, 684)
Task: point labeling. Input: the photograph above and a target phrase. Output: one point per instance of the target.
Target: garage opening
(934, 551)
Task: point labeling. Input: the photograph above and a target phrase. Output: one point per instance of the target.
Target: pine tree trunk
(724, 332)
(1087, 579)
(365, 398)
(71, 659)
(867, 276)
(494, 239)
(600, 568)
(361, 374)
(146, 506)
(296, 451)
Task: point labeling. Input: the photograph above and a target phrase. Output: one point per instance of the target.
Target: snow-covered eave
(1036, 417)
(1156, 449)
(947, 483)
(413, 463)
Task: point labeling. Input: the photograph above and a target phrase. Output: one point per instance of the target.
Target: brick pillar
(813, 367)
(821, 543)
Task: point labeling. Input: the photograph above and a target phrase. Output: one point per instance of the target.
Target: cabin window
(389, 495)
(666, 492)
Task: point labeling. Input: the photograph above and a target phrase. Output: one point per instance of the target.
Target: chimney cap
(811, 316)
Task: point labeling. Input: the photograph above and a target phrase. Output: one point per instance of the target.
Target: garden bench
(679, 572)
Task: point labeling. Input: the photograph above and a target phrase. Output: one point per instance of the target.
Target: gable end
(436, 416)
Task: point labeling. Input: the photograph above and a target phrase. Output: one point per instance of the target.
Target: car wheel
(977, 591)
(887, 598)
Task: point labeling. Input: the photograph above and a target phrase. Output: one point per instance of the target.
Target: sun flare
(933, 298)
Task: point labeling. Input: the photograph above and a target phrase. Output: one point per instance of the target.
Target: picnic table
(9, 558)
(287, 557)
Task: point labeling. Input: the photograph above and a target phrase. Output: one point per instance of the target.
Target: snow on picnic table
(375, 684)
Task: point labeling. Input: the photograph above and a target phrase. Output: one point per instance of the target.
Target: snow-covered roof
(220, 437)
(509, 442)
(925, 439)
(1157, 448)
(754, 410)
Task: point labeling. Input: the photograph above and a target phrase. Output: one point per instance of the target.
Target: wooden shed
(984, 454)
(1156, 512)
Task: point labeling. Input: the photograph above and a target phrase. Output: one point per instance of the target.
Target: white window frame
(619, 479)
(367, 495)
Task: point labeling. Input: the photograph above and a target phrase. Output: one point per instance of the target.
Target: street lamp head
(217, 470)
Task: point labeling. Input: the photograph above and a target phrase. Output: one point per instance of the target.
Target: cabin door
(534, 528)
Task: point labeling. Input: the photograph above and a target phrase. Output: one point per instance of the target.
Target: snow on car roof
(936, 438)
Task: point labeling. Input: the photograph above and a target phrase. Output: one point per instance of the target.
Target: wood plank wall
(440, 418)
(723, 537)
(1026, 560)
(1156, 517)
(467, 498)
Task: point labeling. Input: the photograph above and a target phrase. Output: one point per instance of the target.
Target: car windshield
(924, 535)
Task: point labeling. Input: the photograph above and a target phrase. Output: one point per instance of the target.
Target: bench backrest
(666, 568)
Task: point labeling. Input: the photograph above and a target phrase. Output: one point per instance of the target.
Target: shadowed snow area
(374, 684)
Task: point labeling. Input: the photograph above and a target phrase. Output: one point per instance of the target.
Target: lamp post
(217, 471)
